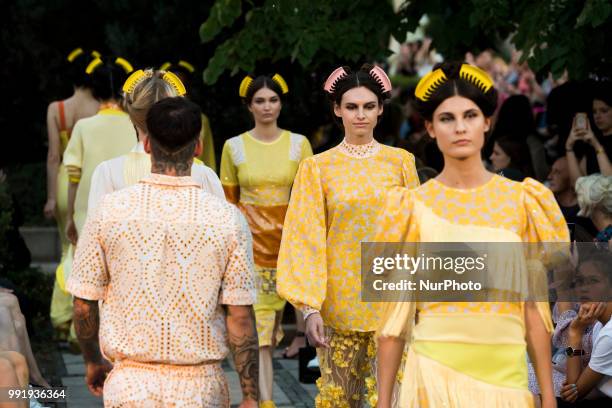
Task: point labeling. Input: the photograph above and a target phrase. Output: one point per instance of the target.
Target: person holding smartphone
(596, 158)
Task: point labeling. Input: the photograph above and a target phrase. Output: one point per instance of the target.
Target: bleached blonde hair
(594, 193)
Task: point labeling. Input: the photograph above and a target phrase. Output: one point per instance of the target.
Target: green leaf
(222, 14)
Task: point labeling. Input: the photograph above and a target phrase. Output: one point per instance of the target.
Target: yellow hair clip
(95, 63)
(476, 76)
(428, 84)
(74, 53)
(281, 82)
(244, 86)
(187, 66)
(96, 54)
(175, 82)
(124, 64)
(165, 66)
(134, 79)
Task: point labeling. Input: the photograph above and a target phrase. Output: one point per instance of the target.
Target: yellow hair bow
(281, 82)
(476, 76)
(244, 86)
(175, 82)
(127, 67)
(165, 66)
(95, 63)
(96, 54)
(73, 54)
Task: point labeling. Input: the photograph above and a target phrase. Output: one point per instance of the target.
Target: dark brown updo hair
(362, 77)
(454, 85)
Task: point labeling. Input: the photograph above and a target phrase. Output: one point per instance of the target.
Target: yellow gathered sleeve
(547, 233)
(396, 224)
(301, 275)
(409, 173)
(73, 155)
(208, 149)
(229, 176)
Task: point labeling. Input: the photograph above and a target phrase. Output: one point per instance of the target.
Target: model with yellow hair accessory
(142, 90)
(179, 75)
(61, 117)
(470, 354)
(257, 172)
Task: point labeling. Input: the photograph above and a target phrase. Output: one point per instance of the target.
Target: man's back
(164, 255)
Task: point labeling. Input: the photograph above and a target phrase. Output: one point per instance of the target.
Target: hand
(49, 209)
(569, 392)
(248, 403)
(95, 375)
(588, 136)
(315, 331)
(71, 232)
(587, 314)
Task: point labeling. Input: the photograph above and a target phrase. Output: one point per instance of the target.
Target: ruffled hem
(429, 384)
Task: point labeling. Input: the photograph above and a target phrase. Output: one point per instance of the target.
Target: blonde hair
(149, 91)
(594, 193)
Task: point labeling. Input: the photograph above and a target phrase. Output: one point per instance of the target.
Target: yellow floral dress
(336, 197)
(467, 354)
(257, 176)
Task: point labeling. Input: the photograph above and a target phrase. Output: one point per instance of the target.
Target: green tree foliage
(309, 32)
(554, 35)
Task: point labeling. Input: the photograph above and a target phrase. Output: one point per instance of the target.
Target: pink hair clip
(334, 77)
(381, 76)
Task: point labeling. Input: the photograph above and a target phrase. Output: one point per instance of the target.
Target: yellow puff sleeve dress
(467, 354)
(335, 200)
(257, 176)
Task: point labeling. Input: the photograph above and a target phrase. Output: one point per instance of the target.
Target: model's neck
(82, 93)
(171, 169)
(464, 174)
(358, 139)
(266, 132)
(567, 198)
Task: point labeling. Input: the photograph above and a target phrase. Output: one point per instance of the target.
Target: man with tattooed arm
(163, 282)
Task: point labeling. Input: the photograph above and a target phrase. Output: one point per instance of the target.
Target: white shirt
(601, 357)
(124, 171)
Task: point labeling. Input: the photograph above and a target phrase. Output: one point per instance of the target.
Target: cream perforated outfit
(163, 256)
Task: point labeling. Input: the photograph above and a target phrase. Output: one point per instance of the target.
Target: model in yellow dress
(335, 199)
(108, 134)
(61, 117)
(257, 172)
(467, 354)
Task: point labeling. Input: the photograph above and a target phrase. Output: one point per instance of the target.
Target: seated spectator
(510, 158)
(581, 228)
(593, 284)
(516, 121)
(595, 199)
(596, 143)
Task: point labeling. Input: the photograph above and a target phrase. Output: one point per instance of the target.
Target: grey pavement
(288, 391)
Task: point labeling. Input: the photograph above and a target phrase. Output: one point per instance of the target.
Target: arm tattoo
(87, 325)
(245, 349)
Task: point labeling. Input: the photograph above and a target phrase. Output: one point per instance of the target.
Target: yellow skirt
(430, 384)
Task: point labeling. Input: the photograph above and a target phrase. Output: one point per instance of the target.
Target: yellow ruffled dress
(468, 354)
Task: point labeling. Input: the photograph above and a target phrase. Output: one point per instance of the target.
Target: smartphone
(581, 121)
